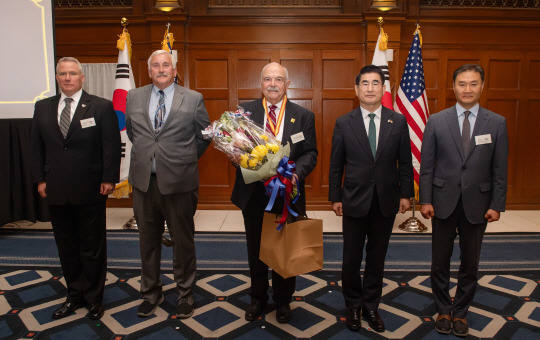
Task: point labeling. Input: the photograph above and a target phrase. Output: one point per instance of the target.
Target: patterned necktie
(466, 133)
(272, 116)
(160, 112)
(372, 134)
(65, 117)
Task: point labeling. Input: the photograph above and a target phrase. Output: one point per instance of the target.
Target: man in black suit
(463, 180)
(371, 147)
(291, 123)
(76, 163)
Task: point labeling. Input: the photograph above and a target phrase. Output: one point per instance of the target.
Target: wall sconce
(383, 5)
(167, 5)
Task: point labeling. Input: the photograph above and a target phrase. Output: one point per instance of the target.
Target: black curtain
(19, 199)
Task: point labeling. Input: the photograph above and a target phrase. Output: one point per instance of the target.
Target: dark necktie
(160, 113)
(372, 134)
(466, 133)
(65, 117)
(272, 116)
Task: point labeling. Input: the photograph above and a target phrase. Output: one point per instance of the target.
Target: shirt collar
(169, 90)
(377, 112)
(278, 105)
(76, 96)
(474, 110)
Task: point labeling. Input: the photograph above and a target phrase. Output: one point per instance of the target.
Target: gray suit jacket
(176, 148)
(446, 173)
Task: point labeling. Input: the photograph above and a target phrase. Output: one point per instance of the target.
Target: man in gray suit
(164, 123)
(463, 179)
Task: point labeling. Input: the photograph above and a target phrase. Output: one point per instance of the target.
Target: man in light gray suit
(164, 123)
(463, 180)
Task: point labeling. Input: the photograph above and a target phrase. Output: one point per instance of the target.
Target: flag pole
(413, 224)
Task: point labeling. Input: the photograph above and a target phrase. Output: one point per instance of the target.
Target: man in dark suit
(371, 146)
(463, 180)
(76, 163)
(164, 123)
(289, 123)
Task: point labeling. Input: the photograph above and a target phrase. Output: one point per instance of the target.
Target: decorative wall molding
(482, 3)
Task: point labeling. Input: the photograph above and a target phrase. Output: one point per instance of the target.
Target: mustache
(272, 88)
(162, 74)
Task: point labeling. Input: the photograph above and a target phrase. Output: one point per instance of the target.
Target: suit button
(464, 167)
(65, 148)
(156, 139)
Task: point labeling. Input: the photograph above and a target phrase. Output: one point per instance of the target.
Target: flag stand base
(131, 224)
(413, 225)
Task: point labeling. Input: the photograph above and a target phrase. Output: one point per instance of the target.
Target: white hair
(65, 59)
(158, 52)
(273, 64)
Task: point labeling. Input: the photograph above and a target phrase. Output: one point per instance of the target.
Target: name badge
(86, 123)
(297, 137)
(483, 139)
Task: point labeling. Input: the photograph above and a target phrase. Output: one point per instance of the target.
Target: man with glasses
(371, 148)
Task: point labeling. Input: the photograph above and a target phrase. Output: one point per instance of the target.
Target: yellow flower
(244, 160)
(272, 147)
(259, 151)
(265, 137)
(253, 162)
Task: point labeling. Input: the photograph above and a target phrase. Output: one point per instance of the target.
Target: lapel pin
(293, 120)
(83, 105)
(390, 121)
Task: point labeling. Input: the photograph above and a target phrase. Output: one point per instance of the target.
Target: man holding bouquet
(289, 123)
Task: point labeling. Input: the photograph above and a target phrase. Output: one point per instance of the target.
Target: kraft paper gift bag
(296, 249)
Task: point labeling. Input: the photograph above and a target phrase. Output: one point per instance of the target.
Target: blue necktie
(160, 112)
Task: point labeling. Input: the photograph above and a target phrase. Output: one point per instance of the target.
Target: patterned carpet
(506, 306)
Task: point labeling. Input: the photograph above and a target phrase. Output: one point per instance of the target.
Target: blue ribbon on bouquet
(281, 184)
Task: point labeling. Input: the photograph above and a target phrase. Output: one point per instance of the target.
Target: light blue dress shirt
(472, 117)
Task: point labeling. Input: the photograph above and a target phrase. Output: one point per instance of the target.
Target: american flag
(411, 101)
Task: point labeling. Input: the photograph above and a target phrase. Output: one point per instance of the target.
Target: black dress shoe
(374, 320)
(353, 319)
(66, 309)
(283, 314)
(95, 311)
(254, 310)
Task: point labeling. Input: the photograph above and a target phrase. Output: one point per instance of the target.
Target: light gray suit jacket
(177, 147)
(479, 177)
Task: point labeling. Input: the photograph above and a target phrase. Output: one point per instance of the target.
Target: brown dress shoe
(443, 324)
(460, 327)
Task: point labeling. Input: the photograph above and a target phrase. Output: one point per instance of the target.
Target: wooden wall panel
(222, 51)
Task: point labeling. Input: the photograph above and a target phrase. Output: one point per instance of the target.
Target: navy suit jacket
(446, 173)
(303, 153)
(75, 167)
(390, 172)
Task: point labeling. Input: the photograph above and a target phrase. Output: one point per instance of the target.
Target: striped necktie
(272, 116)
(65, 117)
(160, 112)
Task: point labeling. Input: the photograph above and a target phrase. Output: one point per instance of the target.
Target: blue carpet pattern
(506, 305)
(406, 252)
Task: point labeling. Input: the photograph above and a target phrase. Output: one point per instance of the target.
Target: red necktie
(272, 116)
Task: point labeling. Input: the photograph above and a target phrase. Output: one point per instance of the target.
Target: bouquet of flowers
(246, 144)
(259, 155)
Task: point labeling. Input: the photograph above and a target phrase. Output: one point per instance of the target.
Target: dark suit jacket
(303, 153)
(480, 178)
(74, 168)
(390, 172)
(178, 146)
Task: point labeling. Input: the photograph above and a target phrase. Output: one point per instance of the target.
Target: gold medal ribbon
(275, 128)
